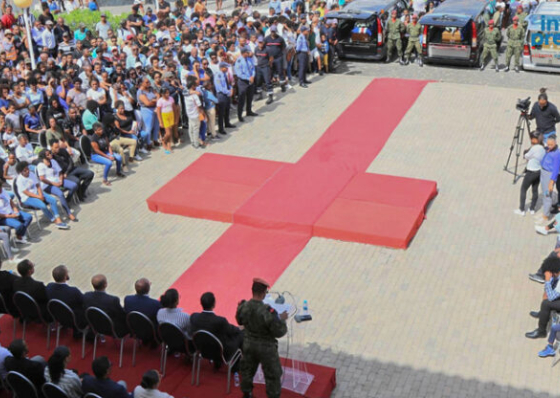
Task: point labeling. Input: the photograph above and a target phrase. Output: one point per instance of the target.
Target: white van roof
(544, 9)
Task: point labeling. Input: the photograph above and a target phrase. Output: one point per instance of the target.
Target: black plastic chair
(101, 323)
(4, 310)
(173, 340)
(21, 386)
(210, 347)
(141, 328)
(87, 151)
(65, 318)
(30, 312)
(51, 390)
(43, 139)
(92, 395)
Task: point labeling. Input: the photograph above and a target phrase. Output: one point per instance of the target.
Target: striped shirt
(177, 317)
(69, 382)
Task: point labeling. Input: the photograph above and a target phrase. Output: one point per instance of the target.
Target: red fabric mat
(177, 380)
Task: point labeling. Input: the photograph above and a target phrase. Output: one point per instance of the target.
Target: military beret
(261, 281)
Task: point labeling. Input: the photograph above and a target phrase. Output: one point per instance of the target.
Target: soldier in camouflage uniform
(492, 37)
(522, 15)
(515, 35)
(263, 325)
(414, 30)
(395, 28)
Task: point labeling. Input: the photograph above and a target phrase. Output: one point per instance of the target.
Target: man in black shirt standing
(79, 175)
(546, 115)
(263, 70)
(276, 45)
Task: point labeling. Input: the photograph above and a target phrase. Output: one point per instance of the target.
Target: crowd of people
(164, 310)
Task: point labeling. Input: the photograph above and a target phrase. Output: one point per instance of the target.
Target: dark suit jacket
(230, 336)
(33, 370)
(144, 304)
(36, 290)
(7, 289)
(70, 295)
(104, 387)
(111, 305)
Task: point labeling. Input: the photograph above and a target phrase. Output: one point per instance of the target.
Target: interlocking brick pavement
(444, 318)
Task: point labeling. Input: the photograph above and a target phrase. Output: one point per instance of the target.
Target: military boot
(420, 61)
(496, 68)
(517, 69)
(506, 69)
(269, 100)
(482, 66)
(406, 60)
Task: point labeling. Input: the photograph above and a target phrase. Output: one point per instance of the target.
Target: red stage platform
(177, 380)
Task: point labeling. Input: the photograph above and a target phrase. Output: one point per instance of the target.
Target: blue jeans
(553, 330)
(150, 130)
(20, 223)
(40, 205)
(71, 186)
(107, 163)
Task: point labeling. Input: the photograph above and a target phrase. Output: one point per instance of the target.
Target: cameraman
(546, 115)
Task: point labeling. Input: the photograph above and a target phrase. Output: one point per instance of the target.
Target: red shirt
(8, 20)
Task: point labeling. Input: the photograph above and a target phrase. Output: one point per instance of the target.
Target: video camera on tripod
(523, 124)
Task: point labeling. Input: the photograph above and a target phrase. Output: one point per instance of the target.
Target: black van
(453, 33)
(361, 27)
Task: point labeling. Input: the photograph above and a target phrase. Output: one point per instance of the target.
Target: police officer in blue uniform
(302, 51)
(245, 71)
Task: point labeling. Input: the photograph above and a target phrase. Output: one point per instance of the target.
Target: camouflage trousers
(513, 50)
(266, 354)
(493, 50)
(413, 44)
(391, 43)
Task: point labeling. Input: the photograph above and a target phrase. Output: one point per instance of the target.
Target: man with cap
(302, 51)
(492, 37)
(414, 30)
(515, 35)
(276, 46)
(245, 72)
(263, 70)
(224, 92)
(102, 27)
(395, 28)
(263, 326)
(49, 41)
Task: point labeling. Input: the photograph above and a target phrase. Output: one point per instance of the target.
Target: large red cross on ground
(276, 207)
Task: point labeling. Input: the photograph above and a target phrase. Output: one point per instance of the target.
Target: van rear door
(448, 37)
(544, 52)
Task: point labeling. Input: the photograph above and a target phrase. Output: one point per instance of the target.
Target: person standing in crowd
(276, 46)
(550, 167)
(168, 116)
(414, 31)
(195, 113)
(545, 114)
(515, 35)
(262, 326)
(302, 51)
(224, 92)
(395, 29)
(262, 71)
(245, 72)
(492, 36)
(531, 179)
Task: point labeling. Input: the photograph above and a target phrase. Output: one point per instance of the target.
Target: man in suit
(111, 305)
(32, 287)
(70, 295)
(141, 302)
(230, 336)
(7, 288)
(33, 368)
(101, 384)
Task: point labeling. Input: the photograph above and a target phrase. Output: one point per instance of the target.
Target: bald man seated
(142, 302)
(106, 302)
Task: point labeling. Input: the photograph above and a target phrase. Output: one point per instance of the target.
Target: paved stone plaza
(444, 318)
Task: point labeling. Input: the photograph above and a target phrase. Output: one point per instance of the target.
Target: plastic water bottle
(305, 307)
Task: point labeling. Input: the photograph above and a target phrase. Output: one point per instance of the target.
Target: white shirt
(26, 184)
(534, 157)
(141, 392)
(96, 95)
(192, 103)
(25, 153)
(48, 39)
(51, 173)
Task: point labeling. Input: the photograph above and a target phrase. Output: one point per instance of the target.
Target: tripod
(517, 143)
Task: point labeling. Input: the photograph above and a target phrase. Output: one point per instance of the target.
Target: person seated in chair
(101, 384)
(80, 175)
(111, 305)
(32, 287)
(33, 369)
(169, 313)
(24, 151)
(229, 335)
(11, 216)
(7, 289)
(69, 295)
(57, 373)
(551, 297)
(141, 302)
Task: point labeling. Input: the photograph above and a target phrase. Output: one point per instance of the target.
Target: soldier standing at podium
(263, 326)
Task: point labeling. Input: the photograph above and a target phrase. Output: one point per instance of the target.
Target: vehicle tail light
(474, 41)
(526, 50)
(379, 33)
(425, 37)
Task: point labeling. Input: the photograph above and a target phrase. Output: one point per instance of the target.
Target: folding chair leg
(15, 329)
(228, 379)
(122, 347)
(23, 333)
(94, 345)
(134, 352)
(84, 344)
(198, 370)
(48, 336)
(58, 327)
(193, 369)
(164, 363)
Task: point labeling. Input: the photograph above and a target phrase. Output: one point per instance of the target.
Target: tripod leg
(515, 139)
